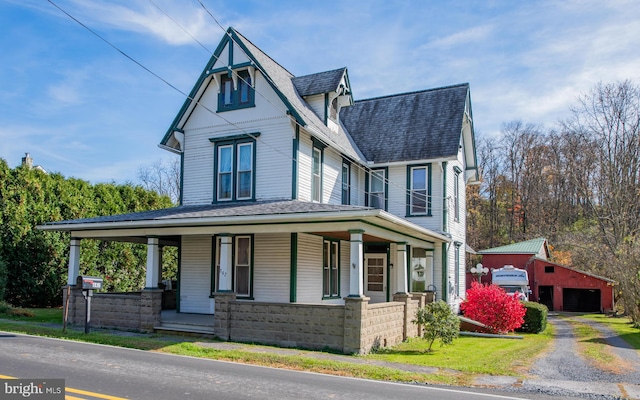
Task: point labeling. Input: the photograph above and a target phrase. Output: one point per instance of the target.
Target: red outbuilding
(559, 287)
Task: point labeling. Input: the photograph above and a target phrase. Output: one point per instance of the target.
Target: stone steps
(185, 327)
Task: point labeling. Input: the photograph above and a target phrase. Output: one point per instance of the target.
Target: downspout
(294, 164)
(445, 267)
(445, 210)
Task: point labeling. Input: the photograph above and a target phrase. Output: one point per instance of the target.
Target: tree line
(34, 263)
(578, 185)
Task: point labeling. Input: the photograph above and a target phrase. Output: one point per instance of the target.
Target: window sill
(233, 107)
(331, 297)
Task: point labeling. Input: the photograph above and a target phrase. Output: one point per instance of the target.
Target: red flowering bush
(492, 306)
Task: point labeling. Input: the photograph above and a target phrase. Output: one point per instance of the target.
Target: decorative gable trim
(232, 138)
(207, 76)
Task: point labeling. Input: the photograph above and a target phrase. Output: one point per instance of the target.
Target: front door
(375, 277)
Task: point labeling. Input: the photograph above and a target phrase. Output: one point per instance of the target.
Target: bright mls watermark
(41, 389)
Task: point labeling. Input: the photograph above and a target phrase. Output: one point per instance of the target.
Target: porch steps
(185, 327)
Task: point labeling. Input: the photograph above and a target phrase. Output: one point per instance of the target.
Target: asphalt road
(111, 373)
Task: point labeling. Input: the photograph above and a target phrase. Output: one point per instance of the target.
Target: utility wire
(365, 169)
(196, 101)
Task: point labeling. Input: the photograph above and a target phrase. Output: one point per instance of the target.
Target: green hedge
(535, 319)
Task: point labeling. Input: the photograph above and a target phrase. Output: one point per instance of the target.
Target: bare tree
(163, 177)
(606, 122)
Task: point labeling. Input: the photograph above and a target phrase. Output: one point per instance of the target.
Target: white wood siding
(309, 272)
(195, 275)
(273, 146)
(316, 103)
(357, 185)
(397, 187)
(345, 267)
(304, 167)
(332, 177)
(239, 56)
(271, 269)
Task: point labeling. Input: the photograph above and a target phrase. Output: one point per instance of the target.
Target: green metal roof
(533, 246)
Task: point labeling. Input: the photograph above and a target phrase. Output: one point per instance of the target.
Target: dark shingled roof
(220, 211)
(410, 126)
(322, 82)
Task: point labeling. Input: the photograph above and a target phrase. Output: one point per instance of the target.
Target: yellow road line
(94, 394)
(78, 391)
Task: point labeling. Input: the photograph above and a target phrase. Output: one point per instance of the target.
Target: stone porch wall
(134, 311)
(288, 325)
(355, 327)
(383, 325)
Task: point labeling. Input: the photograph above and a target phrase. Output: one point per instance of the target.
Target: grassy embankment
(456, 364)
(593, 346)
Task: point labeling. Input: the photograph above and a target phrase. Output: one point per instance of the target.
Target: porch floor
(170, 320)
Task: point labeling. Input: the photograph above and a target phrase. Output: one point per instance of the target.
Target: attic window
(549, 269)
(333, 110)
(236, 91)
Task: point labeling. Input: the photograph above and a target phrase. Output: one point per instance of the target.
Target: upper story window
(377, 189)
(419, 185)
(316, 172)
(234, 168)
(236, 91)
(346, 183)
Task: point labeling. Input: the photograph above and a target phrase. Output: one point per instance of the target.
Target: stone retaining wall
(383, 325)
(288, 325)
(355, 327)
(135, 311)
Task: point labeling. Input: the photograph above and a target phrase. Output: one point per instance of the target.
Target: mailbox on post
(88, 284)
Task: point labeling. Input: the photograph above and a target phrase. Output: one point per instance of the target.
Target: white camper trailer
(512, 280)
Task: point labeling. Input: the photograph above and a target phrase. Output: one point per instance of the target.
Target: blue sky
(84, 110)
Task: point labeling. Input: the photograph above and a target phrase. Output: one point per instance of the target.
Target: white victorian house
(306, 218)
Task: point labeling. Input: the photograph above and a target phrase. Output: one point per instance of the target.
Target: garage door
(581, 300)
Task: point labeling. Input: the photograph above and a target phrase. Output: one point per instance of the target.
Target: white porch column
(153, 263)
(160, 252)
(356, 268)
(226, 264)
(401, 268)
(74, 261)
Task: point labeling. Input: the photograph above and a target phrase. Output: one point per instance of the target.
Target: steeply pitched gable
(411, 126)
(321, 82)
(280, 80)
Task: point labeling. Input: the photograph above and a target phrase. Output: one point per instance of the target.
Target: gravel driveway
(562, 372)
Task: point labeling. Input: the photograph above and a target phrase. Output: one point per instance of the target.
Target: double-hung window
(346, 183)
(377, 188)
(419, 195)
(316, 173)
(240, 268)
(331, 269)
(234, 168)
(242, 265)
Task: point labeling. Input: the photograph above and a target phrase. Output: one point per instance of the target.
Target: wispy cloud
(472, 35)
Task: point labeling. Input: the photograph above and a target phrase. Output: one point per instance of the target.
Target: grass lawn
(493, 356)
(466, 357)
(621, 325)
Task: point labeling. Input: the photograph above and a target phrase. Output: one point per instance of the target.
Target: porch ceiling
(343, 235)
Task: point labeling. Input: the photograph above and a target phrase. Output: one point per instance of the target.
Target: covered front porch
(288, 273)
